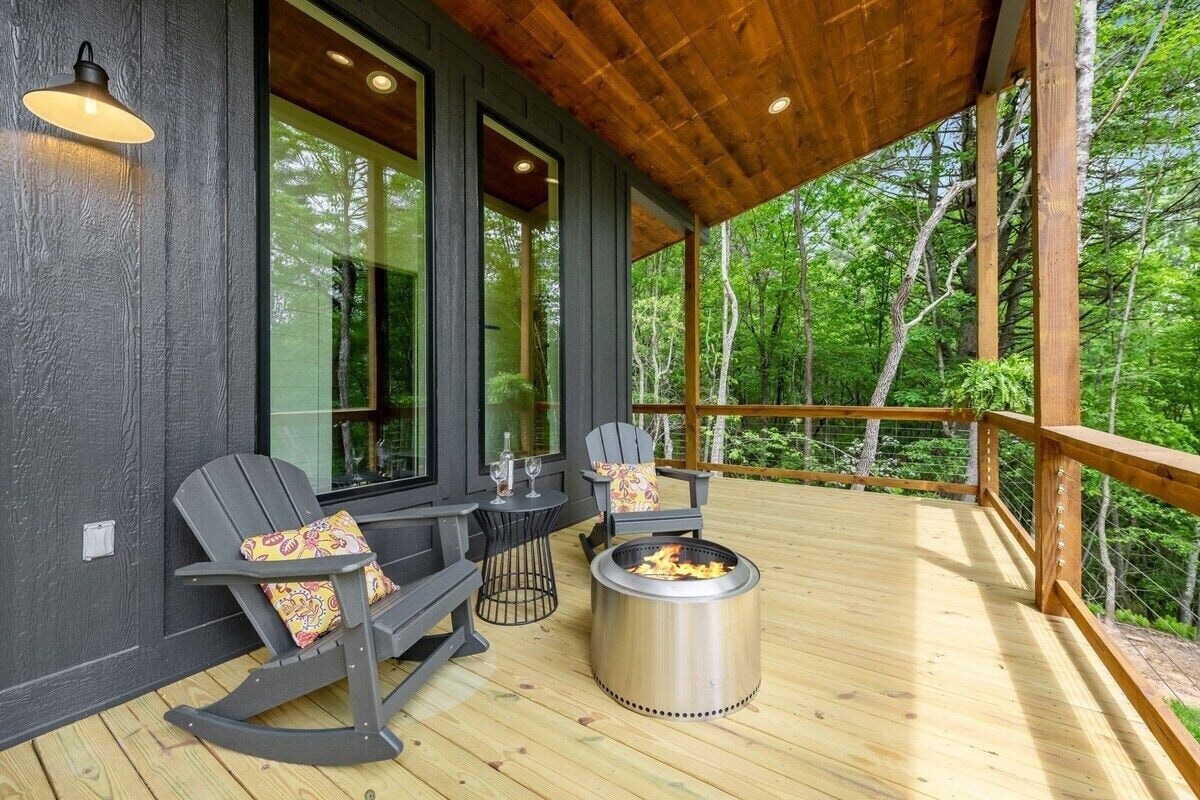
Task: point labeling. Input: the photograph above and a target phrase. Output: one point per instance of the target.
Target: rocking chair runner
(622, 443)
(245, 495)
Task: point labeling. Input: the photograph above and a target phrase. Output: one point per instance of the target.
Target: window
(347, 328)
(521, 314)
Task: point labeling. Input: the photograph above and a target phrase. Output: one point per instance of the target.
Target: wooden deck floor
(902, 658)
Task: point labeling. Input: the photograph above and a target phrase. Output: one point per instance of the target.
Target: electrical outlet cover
(98, 539)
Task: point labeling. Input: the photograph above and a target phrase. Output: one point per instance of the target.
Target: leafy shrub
(1132, 618)
(1096, 609)
(1004, 385)
(509, 387)
(1175, 628)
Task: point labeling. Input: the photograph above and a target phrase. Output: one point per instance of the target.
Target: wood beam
(691, 353)
(987, 279)
(1004, 39)
(1055, 298)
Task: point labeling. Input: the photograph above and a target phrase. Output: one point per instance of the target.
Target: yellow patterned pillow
(634, 487)
(310, 609)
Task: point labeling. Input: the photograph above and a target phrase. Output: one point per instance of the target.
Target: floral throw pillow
(634, 487)
(310, 609)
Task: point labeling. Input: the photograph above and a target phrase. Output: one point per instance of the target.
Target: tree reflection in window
(522, 390)
(348, 348)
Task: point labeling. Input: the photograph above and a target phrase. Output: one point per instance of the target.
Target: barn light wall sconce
(85, 106)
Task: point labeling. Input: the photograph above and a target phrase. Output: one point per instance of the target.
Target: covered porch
(903, 656)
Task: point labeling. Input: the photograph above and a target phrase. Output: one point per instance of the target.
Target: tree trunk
(806, 318)
(1085, 81)
(345, 300)
(1106, 562)
(1186, 603)
(1114, 385)
(900, 326)
(729, 324)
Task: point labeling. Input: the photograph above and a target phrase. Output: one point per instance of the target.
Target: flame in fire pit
(665, 565)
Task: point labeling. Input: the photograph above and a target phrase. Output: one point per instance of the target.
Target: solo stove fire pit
(675, 627)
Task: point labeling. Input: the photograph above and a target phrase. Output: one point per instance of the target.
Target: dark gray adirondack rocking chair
(622, 443)
(245, 495)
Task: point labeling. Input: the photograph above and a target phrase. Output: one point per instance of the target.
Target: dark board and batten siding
(129, 319)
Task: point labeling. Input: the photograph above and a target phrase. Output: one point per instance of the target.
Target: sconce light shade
(84, 105)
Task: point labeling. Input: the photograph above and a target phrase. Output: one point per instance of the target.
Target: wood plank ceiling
(648, 233)
(681, 87)
(302, 74)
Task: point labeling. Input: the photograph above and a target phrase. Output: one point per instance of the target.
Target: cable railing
(929, 450)
(923, 450)
(1136, 601)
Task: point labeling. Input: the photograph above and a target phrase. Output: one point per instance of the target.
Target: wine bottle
(508, 462)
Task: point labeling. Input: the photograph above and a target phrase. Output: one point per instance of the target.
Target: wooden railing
(1171, 476)
(817, 412)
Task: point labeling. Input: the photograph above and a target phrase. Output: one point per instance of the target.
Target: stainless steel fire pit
(685, 649)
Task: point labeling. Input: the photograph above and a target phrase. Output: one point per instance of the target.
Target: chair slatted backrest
(620, 443)
(237, 496)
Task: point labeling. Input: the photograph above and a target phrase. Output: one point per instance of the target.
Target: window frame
(485, 112)
(263, 104)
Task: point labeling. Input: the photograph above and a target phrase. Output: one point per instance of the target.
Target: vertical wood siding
(129, 317)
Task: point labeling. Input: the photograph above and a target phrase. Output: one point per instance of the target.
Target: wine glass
(497, 471)
(356, 457)
(533, 468)
(384, 451)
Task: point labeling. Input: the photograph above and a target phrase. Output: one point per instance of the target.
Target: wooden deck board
(21, 775)
(902, 658)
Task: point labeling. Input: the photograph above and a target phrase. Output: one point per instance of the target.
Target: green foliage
(1175, 628)
(1141, 214)
(1132, 618)
(1188, 715)
(1004, 385)
(509, 387)
(1162, 624)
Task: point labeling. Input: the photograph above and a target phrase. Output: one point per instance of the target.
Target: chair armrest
(593, 477)
(451, 522)
(414, 517)
(599, 484)
(697, 482)
(208, 573)
(681, 474)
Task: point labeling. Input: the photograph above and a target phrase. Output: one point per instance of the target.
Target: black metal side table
(518, 573)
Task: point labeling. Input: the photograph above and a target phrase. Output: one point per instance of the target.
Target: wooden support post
(691, 351)
(1055, 298)
(987, 291)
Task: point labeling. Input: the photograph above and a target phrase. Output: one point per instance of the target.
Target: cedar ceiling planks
(681, 87)
(648, 233)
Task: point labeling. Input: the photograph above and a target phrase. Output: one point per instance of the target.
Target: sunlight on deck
(902, 657)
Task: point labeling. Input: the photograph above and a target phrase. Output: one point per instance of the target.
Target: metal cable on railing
(1145, 603)
(915, 449)
(929, 451)
(1016, 477)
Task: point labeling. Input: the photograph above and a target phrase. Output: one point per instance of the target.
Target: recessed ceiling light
(340, 58)
(779, 104)
(523, 166)
(381, 82)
